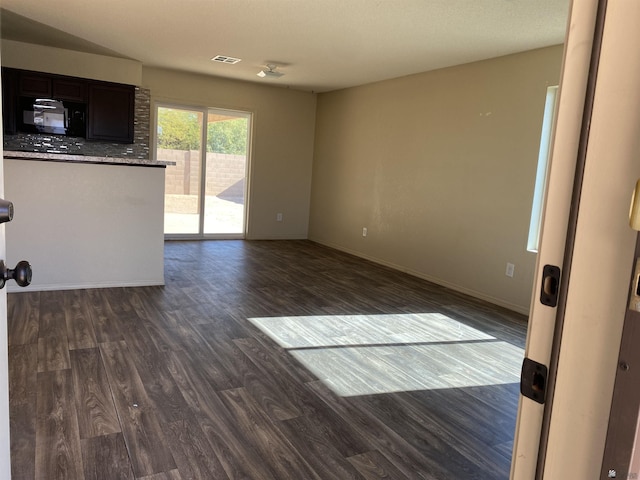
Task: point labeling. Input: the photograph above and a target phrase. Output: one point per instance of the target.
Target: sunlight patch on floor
(372, 354)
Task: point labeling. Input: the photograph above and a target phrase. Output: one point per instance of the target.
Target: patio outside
(224, 192)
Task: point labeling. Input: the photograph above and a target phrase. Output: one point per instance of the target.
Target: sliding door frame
(205, 111)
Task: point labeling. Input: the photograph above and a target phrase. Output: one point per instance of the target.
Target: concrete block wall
(225, 173)
(225, 178)
(186, 170)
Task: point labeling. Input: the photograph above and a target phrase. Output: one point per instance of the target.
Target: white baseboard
(79, 286)
(524, 310)
(277, 237)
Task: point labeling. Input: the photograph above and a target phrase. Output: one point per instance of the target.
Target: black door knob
(21, 274)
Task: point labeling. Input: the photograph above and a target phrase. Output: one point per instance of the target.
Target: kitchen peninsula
(85, 221)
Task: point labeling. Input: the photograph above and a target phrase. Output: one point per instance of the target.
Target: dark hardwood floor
(263, 360)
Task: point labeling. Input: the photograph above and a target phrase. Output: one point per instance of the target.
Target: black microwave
(48, 115)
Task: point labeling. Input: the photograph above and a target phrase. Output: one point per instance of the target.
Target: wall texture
(440, 169)
(69, 62)
(86, 226)
(281, 157)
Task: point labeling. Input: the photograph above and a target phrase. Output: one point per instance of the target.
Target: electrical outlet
(278, 217)
(510, 269)
(364, 231)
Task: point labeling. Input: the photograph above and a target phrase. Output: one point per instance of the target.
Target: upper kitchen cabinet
(110, 107)
(67, 88)
(110, 112)
(9, 86)
(35, 84)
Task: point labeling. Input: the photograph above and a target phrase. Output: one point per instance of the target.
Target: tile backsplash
(33, 142)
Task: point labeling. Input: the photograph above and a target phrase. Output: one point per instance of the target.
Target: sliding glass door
(225, 172)
(205, 192)
(179, 140)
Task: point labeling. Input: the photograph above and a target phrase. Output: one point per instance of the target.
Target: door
(621, 457)
(578, 339)
(5, 451)
(179, 140)
(206, 189)
(225, 172)
(567, 143)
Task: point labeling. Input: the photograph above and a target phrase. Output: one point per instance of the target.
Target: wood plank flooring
(264, 360)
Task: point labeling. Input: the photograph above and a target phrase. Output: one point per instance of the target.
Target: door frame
(594, 297)
(5, 441)
(621, 454)
(202, 187)
(566, 144)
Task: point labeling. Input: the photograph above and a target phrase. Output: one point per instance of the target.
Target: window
(533, 240)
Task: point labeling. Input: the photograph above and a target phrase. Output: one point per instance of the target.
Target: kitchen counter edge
(60, 157)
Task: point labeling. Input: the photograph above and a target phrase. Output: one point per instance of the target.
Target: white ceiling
(320, 45)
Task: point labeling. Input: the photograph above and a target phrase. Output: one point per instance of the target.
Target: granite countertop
(61, 157)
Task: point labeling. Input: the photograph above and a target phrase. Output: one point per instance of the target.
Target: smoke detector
(270, 71)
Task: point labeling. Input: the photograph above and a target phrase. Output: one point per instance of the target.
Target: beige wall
(67, 62)
(282, 147)
(440, 168)
(283, 126)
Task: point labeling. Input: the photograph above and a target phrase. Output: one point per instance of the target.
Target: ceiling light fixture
(269, 72)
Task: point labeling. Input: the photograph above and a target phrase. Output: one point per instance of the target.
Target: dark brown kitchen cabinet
(71, 89)
(9, 86)
(33, 84)
(110, 106)
(110, 112)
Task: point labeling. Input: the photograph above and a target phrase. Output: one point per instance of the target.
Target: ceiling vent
(225, 59)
